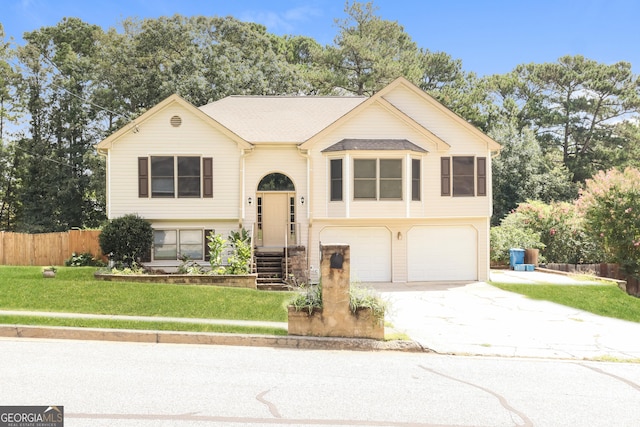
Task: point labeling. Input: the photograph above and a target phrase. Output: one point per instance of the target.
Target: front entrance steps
(268, 264)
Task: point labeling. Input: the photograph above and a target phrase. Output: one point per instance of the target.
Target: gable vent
(176, 121)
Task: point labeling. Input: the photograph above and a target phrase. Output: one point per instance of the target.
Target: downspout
(309, 200)
(105, 153)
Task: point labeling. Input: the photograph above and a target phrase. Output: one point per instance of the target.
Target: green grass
(139, 325)
(75, 290)
(604, 300)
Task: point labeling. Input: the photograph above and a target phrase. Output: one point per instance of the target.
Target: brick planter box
(362, 324)
(235, 281)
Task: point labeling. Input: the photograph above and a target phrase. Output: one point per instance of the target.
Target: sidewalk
(178, 337)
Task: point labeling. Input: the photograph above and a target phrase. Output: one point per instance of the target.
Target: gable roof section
(374, 145)
(173, 99)
(378, 98)
(491, 144)
(279, 119)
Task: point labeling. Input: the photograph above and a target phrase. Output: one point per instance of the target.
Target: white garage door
(442, 253)
(370, 249)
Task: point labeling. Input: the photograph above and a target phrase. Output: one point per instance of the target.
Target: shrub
(610, 204)
(189, 266)
(216, 243)
(241, 246)
(512, 232)
(126, 239)
(562, 232)
(309, 298)
(85, 259)
(360, 297)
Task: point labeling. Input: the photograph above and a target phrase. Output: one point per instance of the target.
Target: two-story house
(399, 177)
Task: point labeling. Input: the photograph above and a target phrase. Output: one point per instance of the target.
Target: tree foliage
(367, 54)
(521, 172)
(70, 85)
(576, 106)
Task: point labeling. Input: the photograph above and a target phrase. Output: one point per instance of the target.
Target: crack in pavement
(272, 408)
(505, 404)
(619, 378)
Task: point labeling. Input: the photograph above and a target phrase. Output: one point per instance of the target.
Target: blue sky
(489, 36)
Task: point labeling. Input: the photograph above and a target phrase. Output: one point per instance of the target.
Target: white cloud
(282, 21)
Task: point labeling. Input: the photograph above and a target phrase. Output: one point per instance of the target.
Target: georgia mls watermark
(31, 416)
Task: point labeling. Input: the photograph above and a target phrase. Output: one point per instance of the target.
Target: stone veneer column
(335, 273)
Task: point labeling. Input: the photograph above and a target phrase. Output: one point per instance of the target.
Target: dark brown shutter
(207, 177)
(143, 177)
(207, 233)
(445, 176)
(482, 176)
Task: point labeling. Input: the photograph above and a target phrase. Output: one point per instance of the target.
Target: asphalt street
(142, 384)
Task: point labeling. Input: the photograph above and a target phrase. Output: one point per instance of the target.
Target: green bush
(127, 239)
(513, 232)
(241, 256)
(83, 260)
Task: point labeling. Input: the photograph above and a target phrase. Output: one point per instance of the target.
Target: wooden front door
(275, 215)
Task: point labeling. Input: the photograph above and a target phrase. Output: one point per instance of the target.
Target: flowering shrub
(610, 204)
(562, 231)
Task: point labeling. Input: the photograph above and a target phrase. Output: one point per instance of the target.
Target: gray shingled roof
(374, 144)
(279, 119)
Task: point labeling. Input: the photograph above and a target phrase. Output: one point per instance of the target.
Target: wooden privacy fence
(47, 248)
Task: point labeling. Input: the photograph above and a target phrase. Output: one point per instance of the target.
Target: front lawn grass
(75, 290)
(604, 300)
(139, 325)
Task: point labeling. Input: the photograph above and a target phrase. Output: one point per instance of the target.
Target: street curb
(207, 338)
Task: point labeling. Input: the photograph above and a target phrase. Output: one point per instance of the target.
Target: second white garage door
(442, 253)
(370, 249)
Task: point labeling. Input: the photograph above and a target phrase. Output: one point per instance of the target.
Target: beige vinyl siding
(156, 137)
(461, 139)
(376, 122)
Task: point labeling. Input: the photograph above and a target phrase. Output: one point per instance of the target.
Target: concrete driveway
(480, 319)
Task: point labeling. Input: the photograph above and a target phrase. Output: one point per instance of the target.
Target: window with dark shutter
(143, 177)
(482, 176)
(445, 176)
(188, 176)
(463, 176)
(207, 177)
(162, 176)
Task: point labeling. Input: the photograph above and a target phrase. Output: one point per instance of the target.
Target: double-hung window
(177, 244)
(171, 176)
(463, 176)
(377, 179)
(336, 179)
(415, 179)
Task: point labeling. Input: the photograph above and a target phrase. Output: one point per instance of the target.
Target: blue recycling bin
(516, 256)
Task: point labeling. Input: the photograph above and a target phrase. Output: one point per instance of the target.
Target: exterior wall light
(249, 201)
(302, 200)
